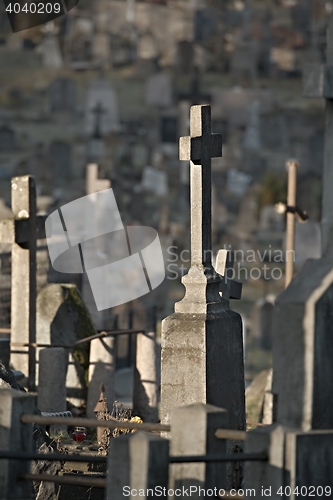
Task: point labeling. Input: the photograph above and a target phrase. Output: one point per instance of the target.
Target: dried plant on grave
(120, 414)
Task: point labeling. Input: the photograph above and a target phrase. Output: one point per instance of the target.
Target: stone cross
(199, 148)
(22, 232)
(229, 288)
(202, 342)
(318, 82)
(93, 183)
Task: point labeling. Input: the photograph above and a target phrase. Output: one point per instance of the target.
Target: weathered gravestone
(22, 232)
(102, 365)
(63, 319)
(158, 90)
(101, 91)
(52, 381)
(96, 144)
(202, 347)
(7, 138)
(307, 241)
(62, 95)
(155, 181)
(206, 24)
(49, 48)
(61, 164)
(185, 56)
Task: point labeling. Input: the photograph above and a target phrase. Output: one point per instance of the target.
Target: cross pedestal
(202, 346)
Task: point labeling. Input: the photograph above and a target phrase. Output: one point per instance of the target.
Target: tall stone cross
(199, 148)
(202, 344)
(318, 82)
(22, 232)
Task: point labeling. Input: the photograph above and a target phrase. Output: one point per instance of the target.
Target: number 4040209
(34, 8)
(305, 491)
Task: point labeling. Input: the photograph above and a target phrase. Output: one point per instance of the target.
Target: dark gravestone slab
(169, 129)
(323, 366)
(7, 138)
(185, 56)
(60, 157)
(62, 95)
(206, 24)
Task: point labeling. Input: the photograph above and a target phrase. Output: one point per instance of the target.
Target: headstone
(102, 364)
(169, 129)
(96, 144)
(7, 138)
(101, 92)
(262, 322)
(63, 319)
(101, 48)
(155, 181)
(61, 162)
(15, 437)
(307, 241)
(185, 57)
(145, 397)
(82, 29)
(52, 381)
(148, 47)
(62, 95)
(283, 58)
(202, 341)
(270, 219)
(51, 52)
(252, 141)
(137, 462)
(244, 63)
(237, 181)
(5, 352)
(235, 104)
(158, 90)
(198, 439)
(206, 24)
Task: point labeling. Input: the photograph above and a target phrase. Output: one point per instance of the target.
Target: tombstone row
(283, 461)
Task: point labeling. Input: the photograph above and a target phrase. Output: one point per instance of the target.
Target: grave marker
(102, 91)
(230, 289)
(317, 82)
(302, 326)
(22, 232)
(202, 346)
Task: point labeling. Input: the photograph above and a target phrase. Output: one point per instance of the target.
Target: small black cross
(229, 288)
